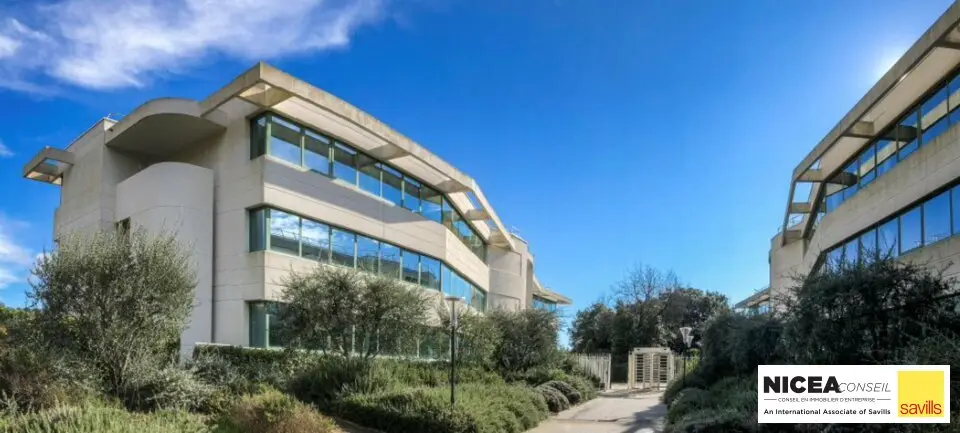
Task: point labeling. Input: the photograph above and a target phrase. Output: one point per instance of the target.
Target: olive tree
(347, 312)
(116, 302)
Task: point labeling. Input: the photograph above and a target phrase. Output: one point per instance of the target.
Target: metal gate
(596, 364)
(651, 368)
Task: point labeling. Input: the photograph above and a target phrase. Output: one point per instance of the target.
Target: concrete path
(612, 412)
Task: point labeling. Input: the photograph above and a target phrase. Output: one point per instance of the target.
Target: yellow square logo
(920, 394)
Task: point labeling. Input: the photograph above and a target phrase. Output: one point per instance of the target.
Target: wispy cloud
(5, 151)
(15, 259)
(109, 44)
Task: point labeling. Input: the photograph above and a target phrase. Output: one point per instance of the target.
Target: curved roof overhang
(162, 127)
(927, 62)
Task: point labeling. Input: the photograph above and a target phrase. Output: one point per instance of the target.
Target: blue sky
(607, 132)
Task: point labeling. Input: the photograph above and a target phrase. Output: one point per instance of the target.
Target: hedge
(568, 391)
(273, 412)
(102, 419)
(556, 401)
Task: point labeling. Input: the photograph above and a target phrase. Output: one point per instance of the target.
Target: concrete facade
(922, 81)
(185, 167)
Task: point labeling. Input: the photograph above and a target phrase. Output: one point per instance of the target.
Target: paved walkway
(612, 412)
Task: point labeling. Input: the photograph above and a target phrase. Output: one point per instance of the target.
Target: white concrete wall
(177, 199)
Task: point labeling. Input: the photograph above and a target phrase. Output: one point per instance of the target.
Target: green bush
(479, 408)
(170, 388)
(568, 391)
(536, 376)
(584, 386)
(556, 401)
(331, 378)
(273, 412)
(274, 368)
(101, 419)
(693, 379)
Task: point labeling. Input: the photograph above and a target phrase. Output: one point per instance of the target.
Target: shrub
(101, 419)
(217, 365)
(693, 379)
(586, 389)
(331, 378)
(568, 391)
(538, 375)
(170, 388)
(529, 339)
(556, 401)
(273, 412)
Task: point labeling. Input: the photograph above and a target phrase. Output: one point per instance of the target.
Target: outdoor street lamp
(453, 346)
(687, 333)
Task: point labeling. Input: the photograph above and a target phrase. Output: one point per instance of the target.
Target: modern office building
(884, 179)
(271, 174)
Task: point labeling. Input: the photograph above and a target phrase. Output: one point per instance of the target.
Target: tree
(529, 339)
(116, 301)
(592, 330)
(688, 307)
(344, 311)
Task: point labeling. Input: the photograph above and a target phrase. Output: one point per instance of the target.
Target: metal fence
(596, 364)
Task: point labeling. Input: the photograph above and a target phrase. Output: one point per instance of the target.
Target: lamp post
(687, 333)
(453, 346)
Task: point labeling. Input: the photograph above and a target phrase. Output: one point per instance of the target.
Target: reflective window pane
(936, 218)
(910, 230)
(835, 258)
(316, 240)
(369, 174)
(867, 163)
(932, 111)
(432, 204)
(935, 131)
(833, 201)
(258, 137)
(851, 252)
(316, 154)
(411, 194)
(343, 248)
(868, 245)
(258, 229)
(411, 267)
(430, 273)
(449, 214)
(446, 279)
(389, 260)
(368, 254)
(344, 163)
(886, 156)
(284, 232)
(888, 238)
(907, 134)
(284, 140)
(954, 101)
(851, 190)
(955, 193)
(392, 185)
(478, 299)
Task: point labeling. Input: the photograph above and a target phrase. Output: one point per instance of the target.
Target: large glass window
(854, 169)
(911, 230)
(954, 100)
(258, 137)
(446, 279)
(955, 196)
(345, 163)
(316, 152)
(344, 244)
(285, 140)
(284, 232)
(411, 194)
(430, 273)
(835, 258)
(368, 254)
(834, 200)
(265, 327)
(932, 111)
(851, 253)
(369, 174)
(936, 218)
(411, 267)
(258, 224)
(478, 299)
(888, 237)
(908, 135)
(316, 240)
(867, 163)
(432, 204)
(389, 260)
(868, 245)
(886, 156)
(392, 185)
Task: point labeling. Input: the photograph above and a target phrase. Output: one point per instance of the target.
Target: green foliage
(170, 388)
(529, 340)
(734, 345)
(244, 369)
(273, 412)
(730, 405)
(478, 337)
(103, 419)
(556, 401)
(583, 386)
(479, 408)
(568, 391)
(327, 308)
(116, 301)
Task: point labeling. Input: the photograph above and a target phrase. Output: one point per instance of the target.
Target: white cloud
(5, 151)
(15, 260)
(107, 44)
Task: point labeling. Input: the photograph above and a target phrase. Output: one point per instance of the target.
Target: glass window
(478, 300)
(449, 213)
(955, 199)
(430, 272)
(851, 253)
(369, 174)
(954, 100)
(432, 204)
(907, 136)
(343, 248)
(258, 324)
(368, 254)
(344, 163)
(910, 230)
(316, 152)
(868, 245)
(834, 201)
(888, 237)
(392, 185)
(285, 140)
(316, 240)
(886, 156)
(835, 258)
(258, 224)
(932, 111)
(284, 232)
(411, 194)
(411, 267)
(936, 218)
(389, 260)
(867, 163)
(851, 190)
(258, 137)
